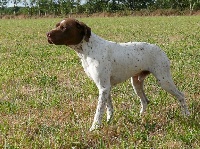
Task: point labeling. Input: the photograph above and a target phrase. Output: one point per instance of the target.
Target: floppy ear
(87, 33)
(58, 24)
(86, 30)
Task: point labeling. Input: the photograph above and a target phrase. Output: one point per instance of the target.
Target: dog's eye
(63, 28)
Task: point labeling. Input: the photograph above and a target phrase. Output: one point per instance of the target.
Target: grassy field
(47, 101)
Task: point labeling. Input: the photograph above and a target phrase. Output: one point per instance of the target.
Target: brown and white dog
(108, 63)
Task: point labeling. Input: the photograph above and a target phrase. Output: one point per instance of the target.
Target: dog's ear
(87, 33)
(86, 30)
(58, 24)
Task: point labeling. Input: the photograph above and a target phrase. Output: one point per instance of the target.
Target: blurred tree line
(63, 7)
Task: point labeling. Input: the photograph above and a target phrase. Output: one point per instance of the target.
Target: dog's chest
(94, 57)
(89, 65)
(85, 65)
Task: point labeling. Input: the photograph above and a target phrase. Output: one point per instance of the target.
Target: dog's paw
(143, 108)
(142, 111)
(186, 113)
(109, 118)
(94, 127)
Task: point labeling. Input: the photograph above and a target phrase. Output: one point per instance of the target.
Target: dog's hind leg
(137, 83)
(165, 81)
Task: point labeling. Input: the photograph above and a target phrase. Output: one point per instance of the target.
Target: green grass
(47, 101)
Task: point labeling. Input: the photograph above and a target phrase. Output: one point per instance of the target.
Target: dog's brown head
(69, 32)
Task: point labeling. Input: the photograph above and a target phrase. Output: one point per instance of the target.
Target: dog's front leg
(104, 94)
(110, 110)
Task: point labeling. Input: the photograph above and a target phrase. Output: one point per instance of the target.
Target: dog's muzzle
(49, 38)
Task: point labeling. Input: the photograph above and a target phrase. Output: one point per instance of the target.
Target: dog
(108, 63)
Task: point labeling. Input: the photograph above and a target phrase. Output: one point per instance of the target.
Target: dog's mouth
(50, 41)
(49, 38)
(54, 40)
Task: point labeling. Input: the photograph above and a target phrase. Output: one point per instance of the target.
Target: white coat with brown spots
(109, 63)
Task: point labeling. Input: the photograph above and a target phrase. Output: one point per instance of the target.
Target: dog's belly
(116, 79)
(121, 75)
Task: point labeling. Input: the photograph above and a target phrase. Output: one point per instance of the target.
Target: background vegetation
(47, 101)
(63, 7)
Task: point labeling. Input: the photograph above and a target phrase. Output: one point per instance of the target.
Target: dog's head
(69, 32)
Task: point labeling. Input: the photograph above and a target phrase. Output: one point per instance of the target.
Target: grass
(47, 101)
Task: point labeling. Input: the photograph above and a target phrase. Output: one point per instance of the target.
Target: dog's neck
(84, 46)
(77, 48)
